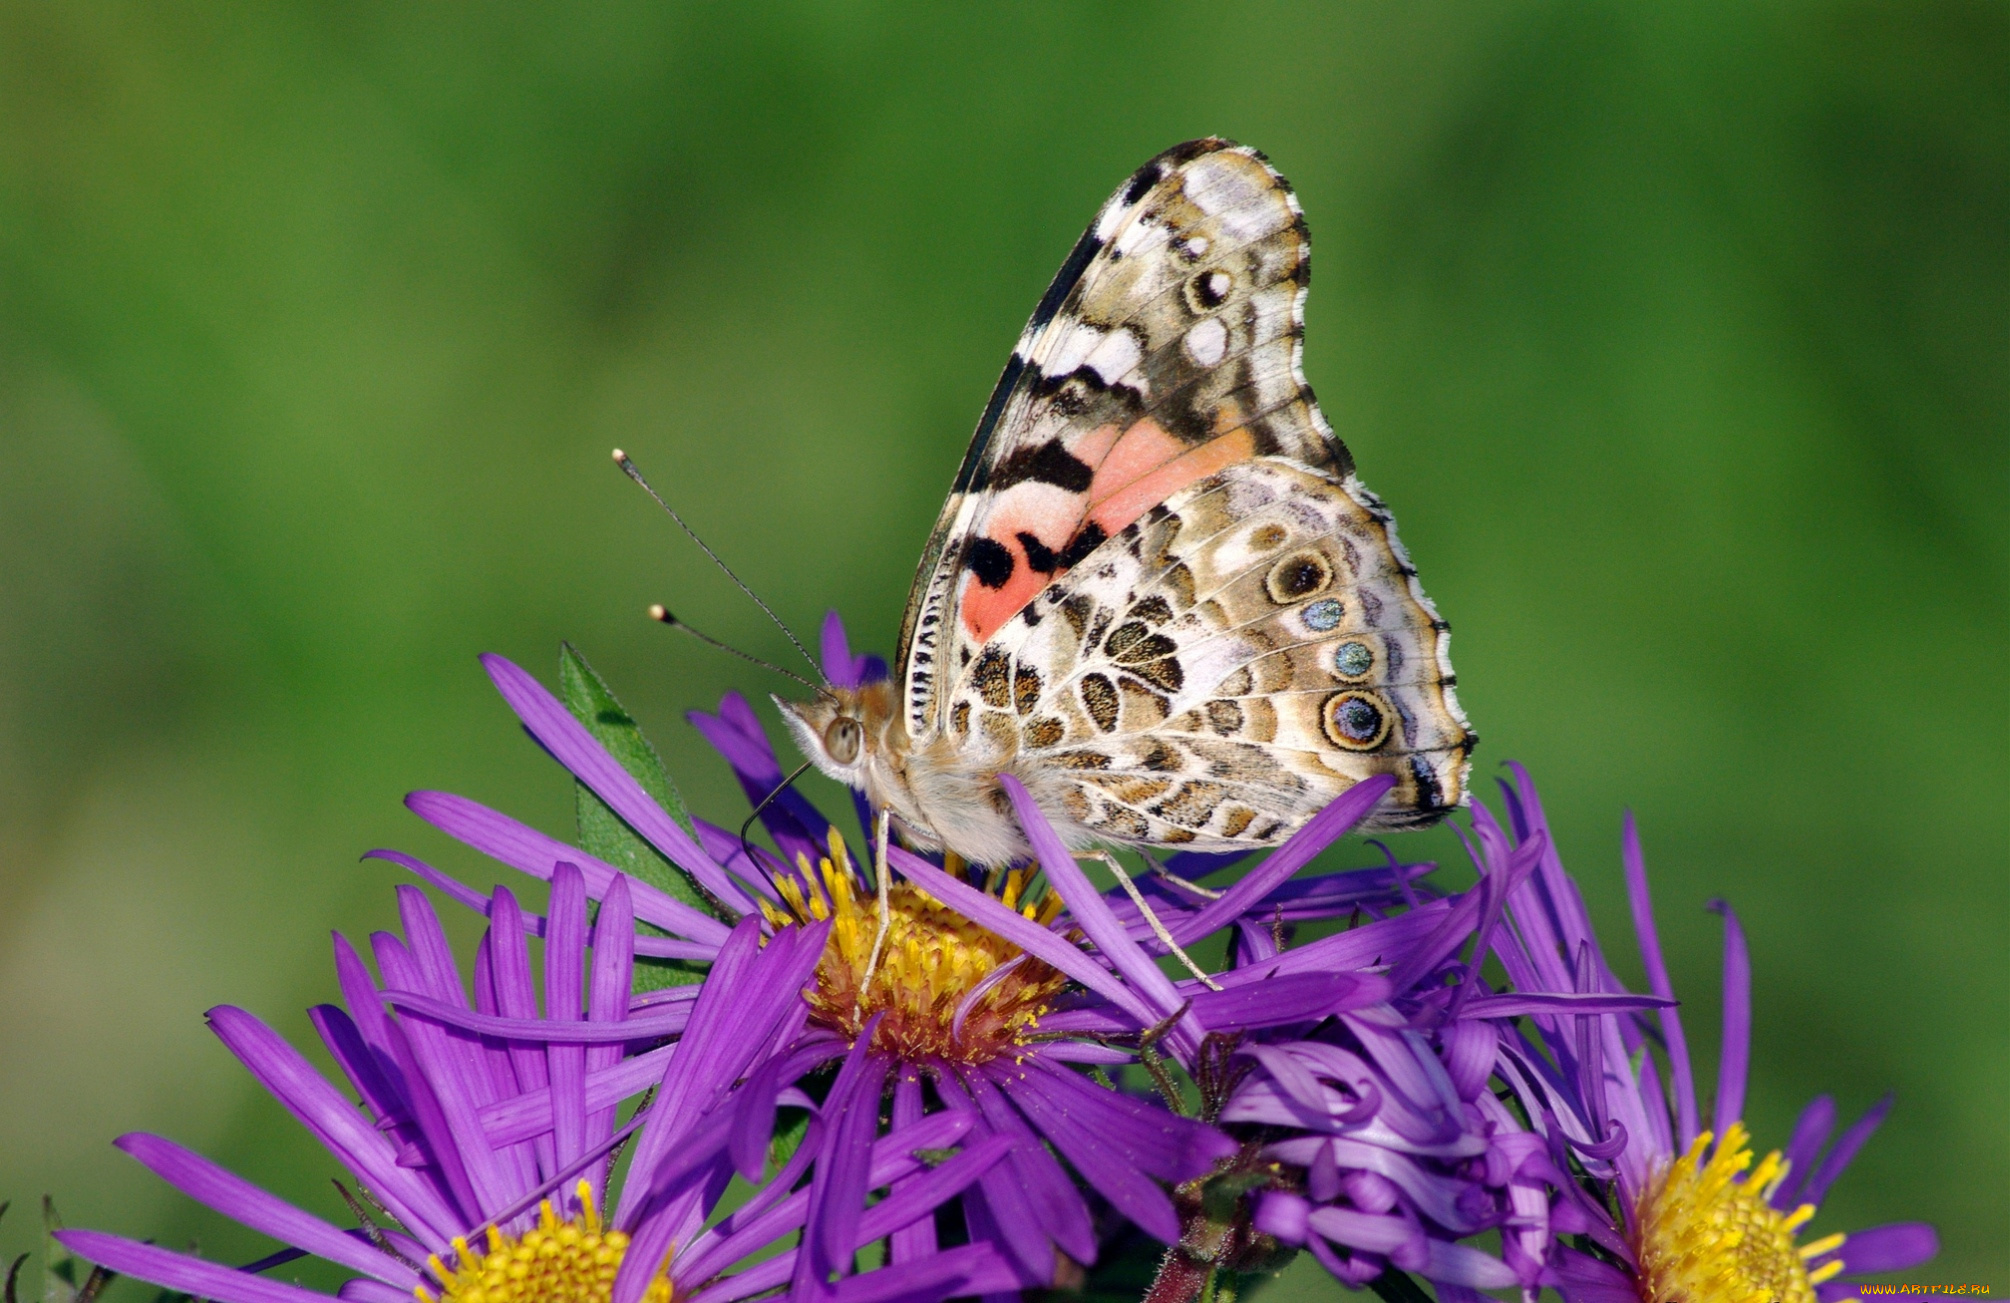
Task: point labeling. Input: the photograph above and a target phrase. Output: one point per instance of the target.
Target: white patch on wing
(1046, 511)
(1274, 312)
(1235, 192)
(1138, 237)
(1116, 357)
(1106, 221)
(1073, 342)
(1196, 246)
(1207, 341)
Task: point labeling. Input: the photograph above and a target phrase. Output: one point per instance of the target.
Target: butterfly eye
(842, 739)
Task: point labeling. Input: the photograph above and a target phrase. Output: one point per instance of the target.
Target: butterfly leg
(1154, 1063)
(885, 913)
(1176, 882)
(1158, 928)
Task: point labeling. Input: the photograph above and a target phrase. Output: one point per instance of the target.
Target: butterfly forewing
(1157, 593)
(1165, 350)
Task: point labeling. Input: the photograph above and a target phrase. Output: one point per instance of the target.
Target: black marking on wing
(1045, 463)
(1063, 284)
(1086, 541)
(1430, 793)
(980, 443)
(1038, 555)
(989, 560)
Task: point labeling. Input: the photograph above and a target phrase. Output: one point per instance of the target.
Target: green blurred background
(1675, 335)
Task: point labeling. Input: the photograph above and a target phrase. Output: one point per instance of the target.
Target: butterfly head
(843, 731)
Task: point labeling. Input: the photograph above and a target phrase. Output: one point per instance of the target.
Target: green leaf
(1221, 1196)
(605, 834)
(788, 1138)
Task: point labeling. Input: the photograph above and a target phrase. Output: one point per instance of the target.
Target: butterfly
(1157, 594)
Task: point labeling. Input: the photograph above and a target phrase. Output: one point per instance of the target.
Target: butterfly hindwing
(1166, 350)
(1224, 667)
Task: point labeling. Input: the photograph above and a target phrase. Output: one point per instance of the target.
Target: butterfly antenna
(662, 615)
(747, 846)
(629, 469)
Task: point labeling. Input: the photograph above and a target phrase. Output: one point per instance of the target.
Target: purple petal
(1451, 932)
(1031, 1185)
(988, 912)
(916, 1239)
(1321, 831)
(607, 1001)
(779, 1209)
(1845, 1150)
(1031, 1255)
(654, 947)
(953, 1273)
(333, 1121)
(426, 943)
(1116, 1140)
(1470, 1048)
(568, 741)
(668, 1021)
(1294, 1081)
(798, 827)
(725, 846)
(564, 1002)
(1737, 1052)
(1091, 913)
(516, 998)
(1518, 1004)
(1893, 1247)
(436, 1142)
(360, 1064)
(1460, 1264)
(1581, 1278)
(1687, 1120)
(1283, 1215)
(839, 666)
(1295, 997)
(1370, 1231)
(521, 1117)
(436, 1061)
(1435, 1196)
(1811, 1132)
(177, 1271)
(1384, 941)
(740, 1004)
(527, 850)
(241, 1201)
(838, 1189)
(1253, 944)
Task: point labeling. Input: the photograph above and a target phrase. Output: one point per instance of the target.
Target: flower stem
(1180, 1279)
(1394, 1286)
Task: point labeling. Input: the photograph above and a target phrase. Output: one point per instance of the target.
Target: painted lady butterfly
(1157, 594)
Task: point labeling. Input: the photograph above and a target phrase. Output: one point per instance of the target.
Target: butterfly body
(1158, 595)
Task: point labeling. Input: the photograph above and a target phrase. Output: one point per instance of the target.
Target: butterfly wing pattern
(1157, 592)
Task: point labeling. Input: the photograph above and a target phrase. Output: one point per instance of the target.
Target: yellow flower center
(948, 988)
(1704, 1236)
(570, 1261)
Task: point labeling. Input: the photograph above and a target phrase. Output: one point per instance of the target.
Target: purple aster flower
(980, 997)
(1389, 1148)
(1676, 1210)
(487, 1130)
